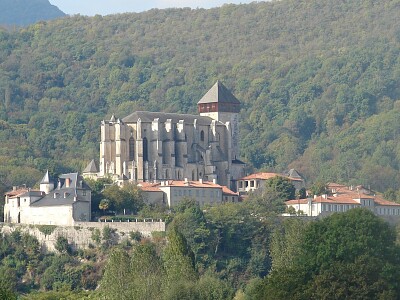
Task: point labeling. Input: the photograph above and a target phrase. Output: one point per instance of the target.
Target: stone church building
(153, 146)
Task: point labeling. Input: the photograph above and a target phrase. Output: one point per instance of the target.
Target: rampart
(84, 234)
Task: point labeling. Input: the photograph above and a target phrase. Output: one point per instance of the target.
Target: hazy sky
(105, 7)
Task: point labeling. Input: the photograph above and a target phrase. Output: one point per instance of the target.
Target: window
(202, 136)
(83, 193)
(145, 150)
(131, 149)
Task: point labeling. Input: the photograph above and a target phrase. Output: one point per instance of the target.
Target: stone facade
(81, 234)
(154, 146)
(62, 203)
(171, 192)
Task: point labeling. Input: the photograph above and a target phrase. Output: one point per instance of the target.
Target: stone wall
(83, 234)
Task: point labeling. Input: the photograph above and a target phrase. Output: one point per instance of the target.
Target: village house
(341, 198)
(171, 192)
(255, 181)
(61, 202)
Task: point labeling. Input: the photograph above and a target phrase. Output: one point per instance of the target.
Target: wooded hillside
(319, 82)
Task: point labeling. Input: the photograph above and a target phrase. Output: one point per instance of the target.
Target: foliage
(282, 186)
(62, 245)
(347, 255)
(104, 205)
(124, 198)
(319, 188)
(315, 95)
(46, 229)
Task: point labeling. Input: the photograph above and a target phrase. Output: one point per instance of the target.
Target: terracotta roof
(260, 176)
(345, 199)
(380, 201)
(265, 176)
(17, 192)
(227, 191)
(190, 183)
(149, 187)
(330, 199)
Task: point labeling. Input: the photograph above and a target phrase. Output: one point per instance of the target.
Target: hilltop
(319, 83)
(25, 12)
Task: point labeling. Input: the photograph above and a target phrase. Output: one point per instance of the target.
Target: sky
(106, 7)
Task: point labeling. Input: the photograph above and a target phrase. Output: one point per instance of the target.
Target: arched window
(131, 149)
(202, 136)
(145, 150)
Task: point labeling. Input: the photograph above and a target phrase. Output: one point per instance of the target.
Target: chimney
(324, 196)
(67, 182)
(215, 181)
(186, 180)
(14, 188)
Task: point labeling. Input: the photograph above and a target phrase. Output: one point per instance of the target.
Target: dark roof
(238, 161)
(63, 194)
(91, 168)
(148, 117)
(219, 93)
(62, 197)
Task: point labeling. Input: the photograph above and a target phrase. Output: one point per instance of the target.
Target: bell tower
(221, 105)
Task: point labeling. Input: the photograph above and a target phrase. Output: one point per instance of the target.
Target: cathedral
(155, 146)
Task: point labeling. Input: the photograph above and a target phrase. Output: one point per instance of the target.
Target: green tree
(104, 205)
(282, 186)
(62, 245)
(319, 188)
(116, 281)
(355, 247)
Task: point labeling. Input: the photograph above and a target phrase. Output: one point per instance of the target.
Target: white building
(342, 198)
(64, 203)
(256, 181)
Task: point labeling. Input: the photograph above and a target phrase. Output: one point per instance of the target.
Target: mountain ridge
(26, 12)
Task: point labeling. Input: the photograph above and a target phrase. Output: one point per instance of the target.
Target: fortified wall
(85, 234)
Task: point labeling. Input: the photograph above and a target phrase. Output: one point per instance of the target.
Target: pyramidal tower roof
(46, 178)
(91, 167)
(219, 93)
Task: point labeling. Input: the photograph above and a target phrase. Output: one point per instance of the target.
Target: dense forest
(25, 12)
(319, 83)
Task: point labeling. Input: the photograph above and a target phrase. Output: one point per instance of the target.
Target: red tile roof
(190, 183)
(17, 192)
(265, 176)
(345, 196)
(227, 191)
